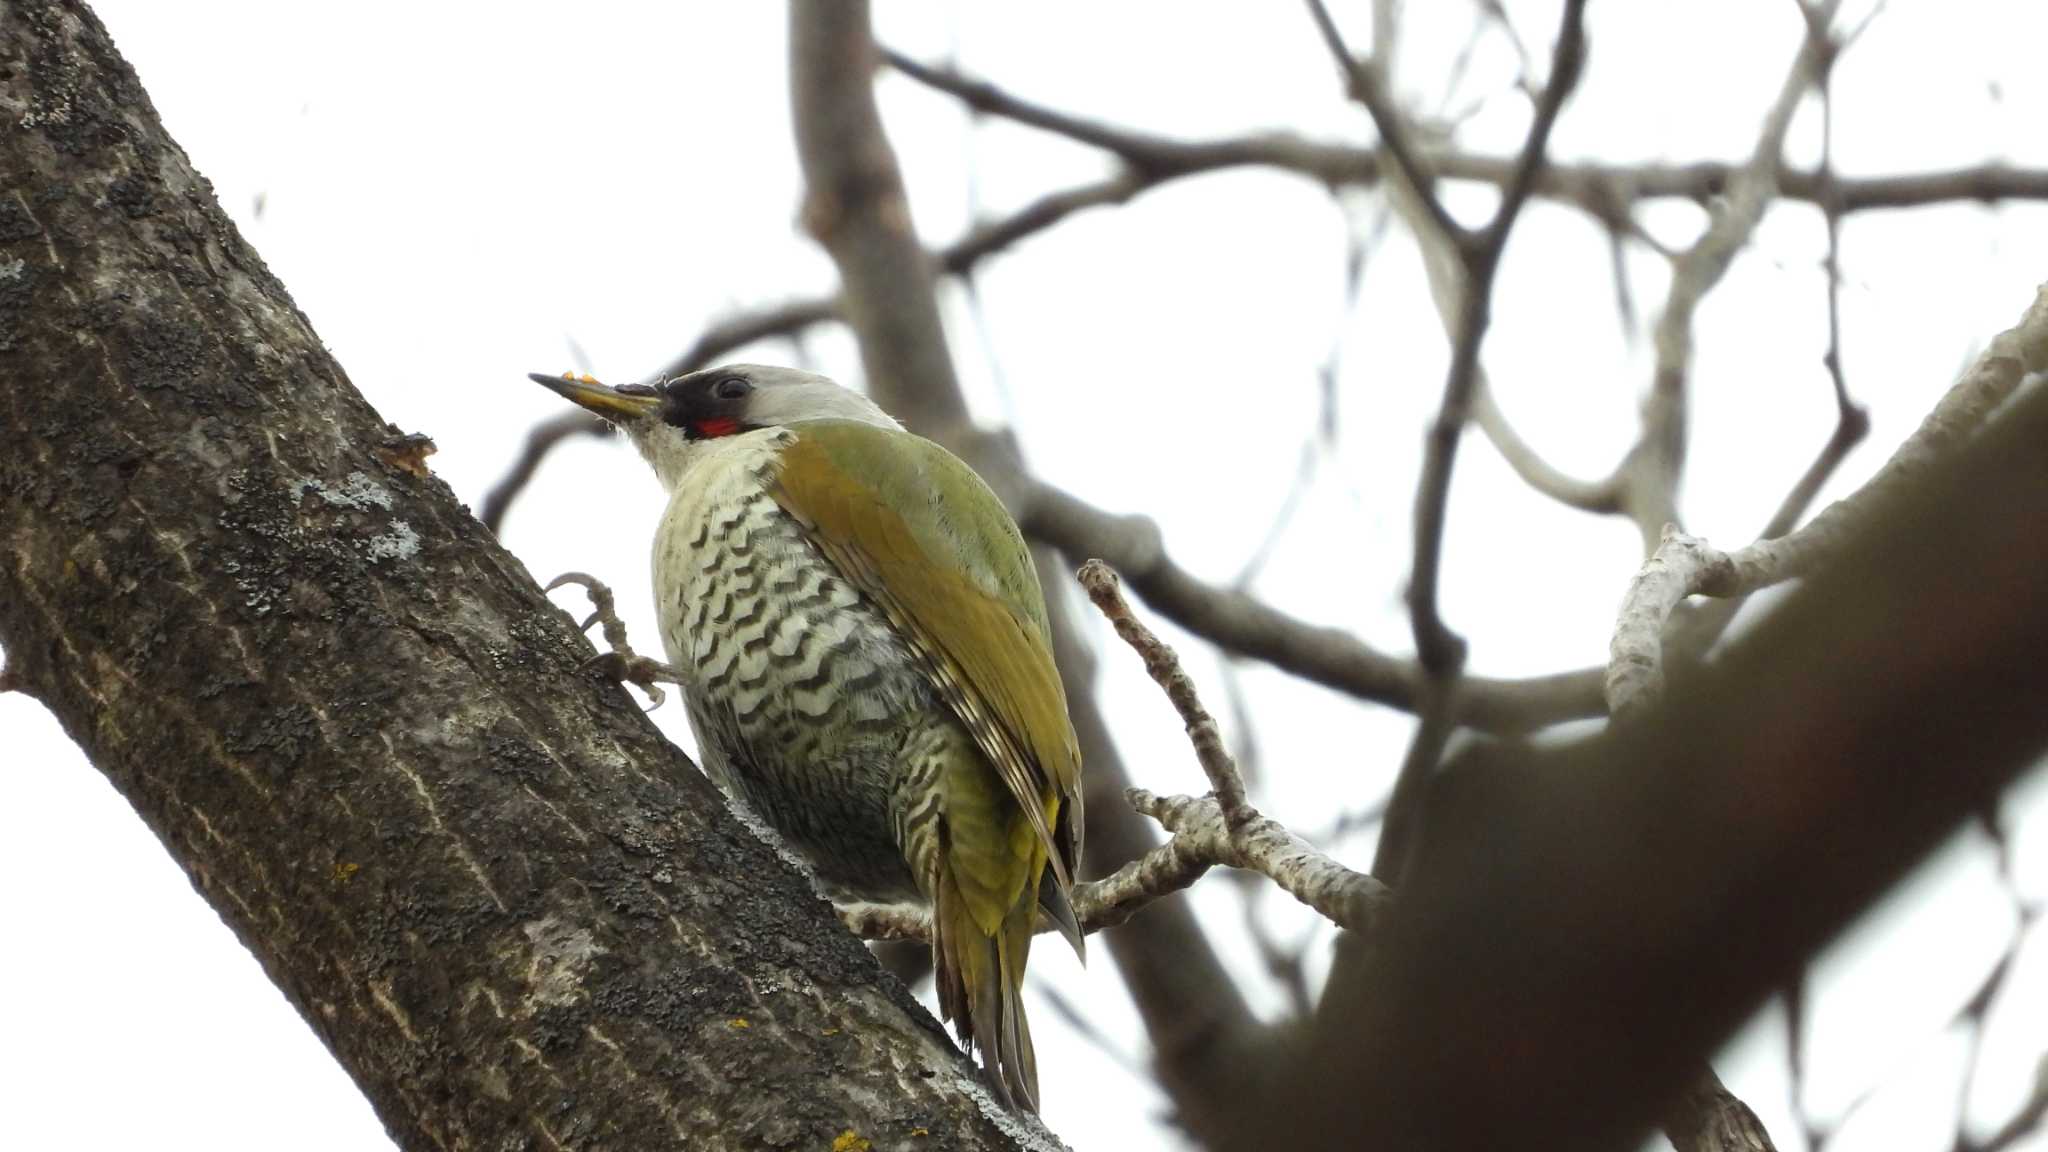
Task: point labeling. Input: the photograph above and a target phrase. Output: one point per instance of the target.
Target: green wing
(920, 534)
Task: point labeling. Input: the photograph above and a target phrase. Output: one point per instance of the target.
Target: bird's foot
(621, 663)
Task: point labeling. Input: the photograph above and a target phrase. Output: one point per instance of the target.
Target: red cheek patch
(717, 426)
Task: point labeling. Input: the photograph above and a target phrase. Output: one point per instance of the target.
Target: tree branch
(1199, 839)
(1685, 566)
(1603, 191)
(1363, 83)
(1441, 651)
(1248, 627)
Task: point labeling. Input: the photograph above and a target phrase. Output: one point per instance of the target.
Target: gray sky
(456, 192)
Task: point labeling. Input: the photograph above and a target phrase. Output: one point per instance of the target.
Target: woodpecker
(862, 646)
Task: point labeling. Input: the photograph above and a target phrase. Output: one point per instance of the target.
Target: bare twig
(1364, 84)
(1685, 566)
(743, 328)
(1226, 829)
(1604, 191)
(1439, 649)
(1201, 839)
(1655, 466)
(1598, 496)
(1164, 667)
(958, 258)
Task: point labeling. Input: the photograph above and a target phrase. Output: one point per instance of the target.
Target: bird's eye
(731, 388)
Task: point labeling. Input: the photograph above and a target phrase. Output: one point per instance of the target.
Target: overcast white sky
(456, 192)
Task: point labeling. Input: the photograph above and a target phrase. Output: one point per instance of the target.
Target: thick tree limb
(516, 914)
(1201, 1029)
(1640, 891)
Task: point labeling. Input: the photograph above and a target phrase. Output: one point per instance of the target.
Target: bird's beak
(606, 401)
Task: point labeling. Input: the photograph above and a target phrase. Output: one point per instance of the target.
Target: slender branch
(1603, 191)
(1684, 566)
(743, 328)
(1154, 156)
(1440, 650)
(1201, 839)
(958, 258)
(541, 440)
(1602, 496)
(1655, 467)
(1225, 828)
(1163, 666)
(1363, 84)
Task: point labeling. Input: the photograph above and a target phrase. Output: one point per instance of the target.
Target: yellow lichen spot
(831, 1031)
(738, 1022)
(344, 870)
(851, 1141)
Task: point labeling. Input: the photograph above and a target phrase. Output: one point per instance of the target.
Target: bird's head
(675, 421)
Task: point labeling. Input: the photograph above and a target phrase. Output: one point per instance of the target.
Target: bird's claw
(621, 664)
(589, 582)
(628, 667)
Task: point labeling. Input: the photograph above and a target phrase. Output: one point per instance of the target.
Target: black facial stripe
(693, 401)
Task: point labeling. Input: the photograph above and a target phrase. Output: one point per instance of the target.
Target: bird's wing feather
(956, 577)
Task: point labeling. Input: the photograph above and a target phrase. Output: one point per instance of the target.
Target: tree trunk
(516, 915)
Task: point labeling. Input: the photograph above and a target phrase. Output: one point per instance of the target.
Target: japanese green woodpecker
(863, 649)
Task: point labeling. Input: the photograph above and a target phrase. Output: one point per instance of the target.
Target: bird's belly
(801, 694)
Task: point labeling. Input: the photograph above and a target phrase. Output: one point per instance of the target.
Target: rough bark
(516, 915)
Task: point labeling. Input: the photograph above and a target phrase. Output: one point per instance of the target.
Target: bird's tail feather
(981, 984)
